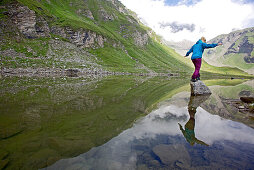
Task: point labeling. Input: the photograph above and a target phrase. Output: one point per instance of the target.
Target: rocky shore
(245, 103)
(72, 72)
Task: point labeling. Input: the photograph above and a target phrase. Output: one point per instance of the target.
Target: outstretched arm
(190, 51)
(211, 45)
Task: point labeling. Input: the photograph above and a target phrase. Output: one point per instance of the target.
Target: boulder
(140, 39)
(199, 88)
(247, 99)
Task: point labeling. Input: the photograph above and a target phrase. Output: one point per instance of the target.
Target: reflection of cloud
(176, 27)
(120, 153)
(212, 128)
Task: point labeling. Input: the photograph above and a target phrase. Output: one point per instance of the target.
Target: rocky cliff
(85, 35)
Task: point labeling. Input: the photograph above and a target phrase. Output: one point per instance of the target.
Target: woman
(197, 50)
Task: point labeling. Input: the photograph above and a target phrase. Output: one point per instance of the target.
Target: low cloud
(176, 27)
(191, 19)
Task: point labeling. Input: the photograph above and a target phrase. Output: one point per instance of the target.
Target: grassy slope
(153, 56)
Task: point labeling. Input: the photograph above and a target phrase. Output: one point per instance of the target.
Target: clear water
(123, 123)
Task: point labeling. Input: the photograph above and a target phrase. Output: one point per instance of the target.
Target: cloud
(176, 27)
(191, 19)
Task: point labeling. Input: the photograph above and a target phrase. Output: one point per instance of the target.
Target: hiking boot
(198, 78)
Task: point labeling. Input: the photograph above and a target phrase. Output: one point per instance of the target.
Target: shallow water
(77, 123)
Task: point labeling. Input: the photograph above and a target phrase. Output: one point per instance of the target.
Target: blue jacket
(198, 49)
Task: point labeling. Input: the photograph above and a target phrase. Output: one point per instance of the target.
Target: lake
(123, 122)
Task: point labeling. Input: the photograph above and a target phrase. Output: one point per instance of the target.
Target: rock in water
(199, 88)
(247, 99)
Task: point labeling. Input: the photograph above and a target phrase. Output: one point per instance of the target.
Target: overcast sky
(177, 20)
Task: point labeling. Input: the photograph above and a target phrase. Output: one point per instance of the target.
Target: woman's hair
(203, 39)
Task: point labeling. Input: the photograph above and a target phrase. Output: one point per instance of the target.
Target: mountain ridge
(237, 50)
(90, 35)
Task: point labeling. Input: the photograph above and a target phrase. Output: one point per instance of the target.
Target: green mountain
(88, 35)
(237, 50)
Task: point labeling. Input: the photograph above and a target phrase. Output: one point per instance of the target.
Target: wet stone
(199, 88)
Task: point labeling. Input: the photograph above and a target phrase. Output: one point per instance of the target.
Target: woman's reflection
(189, 133)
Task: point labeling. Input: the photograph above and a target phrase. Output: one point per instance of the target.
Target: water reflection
(45, 119)
(188, 132)
(156, 142)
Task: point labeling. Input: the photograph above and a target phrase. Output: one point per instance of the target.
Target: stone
(27, 22)
(72, 72)
(199, 88)
(89, 14)
(170, 154)
(241, 107)
(140, 39)
(247, 99)
(104, 15)
(245, 93)
(86, 13)
(82, 38)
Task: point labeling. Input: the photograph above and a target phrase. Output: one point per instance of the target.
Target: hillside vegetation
(88, 35)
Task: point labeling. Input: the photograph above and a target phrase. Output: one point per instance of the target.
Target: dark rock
(199, 88)
(82, 38)
(30, 25)
(72, 72)
(247, 99)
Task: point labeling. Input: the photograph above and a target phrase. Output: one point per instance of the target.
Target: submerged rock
(174, 155)
(199, 88)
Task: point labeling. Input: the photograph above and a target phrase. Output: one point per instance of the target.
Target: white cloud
(210, 17)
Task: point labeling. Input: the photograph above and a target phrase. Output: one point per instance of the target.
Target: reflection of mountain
(222, 92)
(218, 103)
(47, 119)
(155, 142)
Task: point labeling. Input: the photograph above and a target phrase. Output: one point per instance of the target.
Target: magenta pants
(197, 64)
